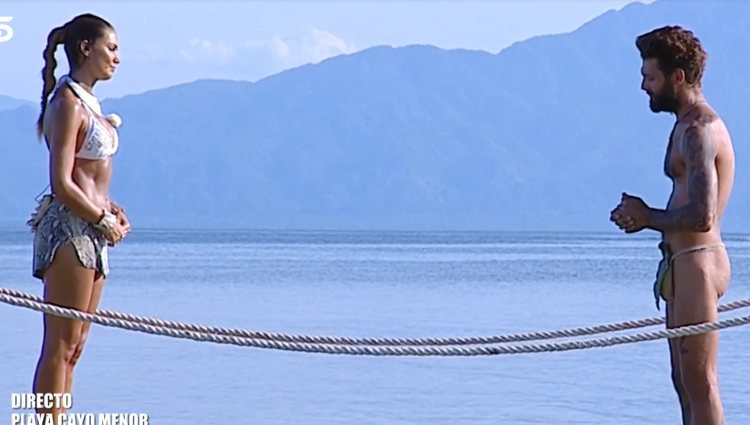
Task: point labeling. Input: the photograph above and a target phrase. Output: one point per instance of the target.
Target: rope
(334, 340)
(377, 351)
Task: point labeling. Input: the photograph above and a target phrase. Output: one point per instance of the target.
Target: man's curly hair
(674, 47)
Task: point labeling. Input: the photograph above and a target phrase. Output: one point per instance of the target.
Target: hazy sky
(174, 41)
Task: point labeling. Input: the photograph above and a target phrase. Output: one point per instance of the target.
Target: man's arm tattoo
(698, 214)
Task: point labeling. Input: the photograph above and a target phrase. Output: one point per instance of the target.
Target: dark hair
(674, 47)
(86, 27)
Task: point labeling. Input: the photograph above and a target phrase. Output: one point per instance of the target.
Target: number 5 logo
(6, 31)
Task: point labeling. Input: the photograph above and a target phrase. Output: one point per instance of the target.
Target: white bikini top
(101, 140)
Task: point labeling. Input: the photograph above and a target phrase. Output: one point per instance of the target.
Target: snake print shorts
(60, 226)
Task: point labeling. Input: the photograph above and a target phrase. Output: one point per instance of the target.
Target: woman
(72, 232)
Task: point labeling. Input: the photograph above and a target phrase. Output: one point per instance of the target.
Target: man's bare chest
(674, 166)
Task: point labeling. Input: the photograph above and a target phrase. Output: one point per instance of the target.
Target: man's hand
(616, 216)
(631, 215)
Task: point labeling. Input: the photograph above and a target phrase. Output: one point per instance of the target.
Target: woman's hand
(111, 227)
(117, 234)
(122, 219)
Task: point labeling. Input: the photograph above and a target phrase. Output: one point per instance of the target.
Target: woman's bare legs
(67, 284)
(96, 295)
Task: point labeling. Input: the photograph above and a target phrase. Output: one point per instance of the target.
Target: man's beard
(666, 101)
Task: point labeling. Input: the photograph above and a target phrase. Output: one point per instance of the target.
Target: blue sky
(168, 42)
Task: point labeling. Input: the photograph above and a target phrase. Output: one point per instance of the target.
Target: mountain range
(544, 135)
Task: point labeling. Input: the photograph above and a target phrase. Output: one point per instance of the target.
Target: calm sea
(372, 284)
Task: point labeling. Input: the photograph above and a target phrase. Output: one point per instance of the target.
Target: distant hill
(7, 102)
(544, 135)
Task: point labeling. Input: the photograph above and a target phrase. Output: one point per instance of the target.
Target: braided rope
(518, 337)
(378, 351)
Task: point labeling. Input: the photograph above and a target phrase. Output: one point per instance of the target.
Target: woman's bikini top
(101, 140)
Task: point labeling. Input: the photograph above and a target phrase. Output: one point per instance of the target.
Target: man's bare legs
(674, 357)
(701, 278)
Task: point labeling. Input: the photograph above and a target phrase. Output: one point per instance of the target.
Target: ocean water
(372, 284)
